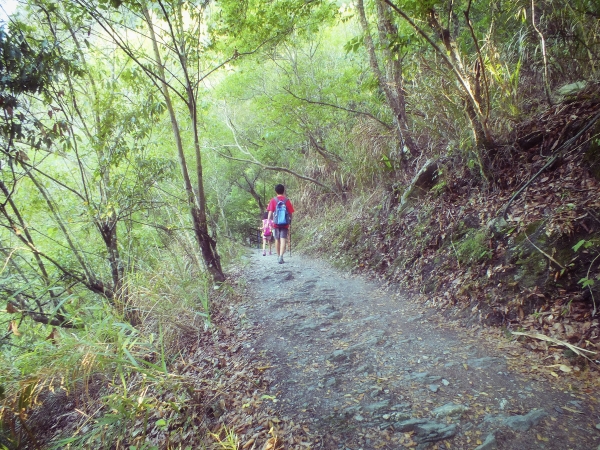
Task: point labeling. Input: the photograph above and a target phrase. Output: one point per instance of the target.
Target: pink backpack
(267, 225)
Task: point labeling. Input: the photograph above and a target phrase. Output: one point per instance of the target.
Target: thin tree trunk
(544, 57)
(206, 243)
(395, 74)
(61, 225)
(392, 98)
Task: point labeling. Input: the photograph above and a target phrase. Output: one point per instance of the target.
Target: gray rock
(489, 443)
(433, 387)
(350, 411)
(309, 325)
(419, 376)
(330, 382)
(399, 416)
(425, 430)
(339, 355)
(497, 225)
(376, 406)
(409, 425)
(524, 423)
(335, 315)
(365, 320)
(286, 276)
(485, 362)
(449, 409)
(517, 423)
(414, 318)
(433, 432)
(326, 309)
(445, 382)
(364, 368)
(598, 426)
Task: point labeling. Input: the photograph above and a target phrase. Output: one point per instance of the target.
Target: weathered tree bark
(391, 82)
(473, 102)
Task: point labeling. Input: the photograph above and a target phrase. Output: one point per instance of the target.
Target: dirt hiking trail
(356, 366)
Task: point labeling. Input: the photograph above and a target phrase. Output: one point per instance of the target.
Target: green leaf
(161, 423)
(577, 246)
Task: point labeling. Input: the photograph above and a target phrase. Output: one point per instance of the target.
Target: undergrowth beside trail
(533, 266)
(170, 383)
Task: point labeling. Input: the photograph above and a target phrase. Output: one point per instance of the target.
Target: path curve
(358, 366)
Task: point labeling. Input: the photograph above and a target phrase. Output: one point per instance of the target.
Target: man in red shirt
(281, 231)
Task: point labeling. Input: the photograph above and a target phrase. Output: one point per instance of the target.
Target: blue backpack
(281, 216)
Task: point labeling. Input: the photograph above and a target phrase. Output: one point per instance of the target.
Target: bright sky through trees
(7, 7)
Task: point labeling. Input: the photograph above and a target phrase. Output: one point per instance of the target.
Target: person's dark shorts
(281, 233)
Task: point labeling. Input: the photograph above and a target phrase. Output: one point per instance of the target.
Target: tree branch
(47, 319)
(276, 169)
(314, 102)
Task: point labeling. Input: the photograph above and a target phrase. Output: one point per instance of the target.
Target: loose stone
(449, 409)
(490, 443)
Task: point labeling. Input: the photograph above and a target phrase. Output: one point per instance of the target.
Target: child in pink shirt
(267, 232)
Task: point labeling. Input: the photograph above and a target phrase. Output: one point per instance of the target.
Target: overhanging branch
(276, 169)
(363, 113)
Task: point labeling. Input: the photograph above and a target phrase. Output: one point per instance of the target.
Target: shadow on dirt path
(361, 367)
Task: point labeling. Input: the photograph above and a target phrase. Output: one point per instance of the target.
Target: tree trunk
(197, 207)
(395, 99)
(472, 99)
(394, 63)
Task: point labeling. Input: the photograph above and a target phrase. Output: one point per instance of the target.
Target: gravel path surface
(362, 367)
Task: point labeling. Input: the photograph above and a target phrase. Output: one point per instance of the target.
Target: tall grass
(111, 381)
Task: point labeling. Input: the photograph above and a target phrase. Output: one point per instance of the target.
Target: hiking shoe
(281, 260)
(264, 253)
(270, 253)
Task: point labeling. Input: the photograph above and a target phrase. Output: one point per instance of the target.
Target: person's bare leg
(264, 246)
(277, 246)
(282, 247)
